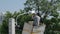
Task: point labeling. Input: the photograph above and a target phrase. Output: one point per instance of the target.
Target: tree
(48, 8)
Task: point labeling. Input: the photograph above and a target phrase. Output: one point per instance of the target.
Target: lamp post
(18, 16)
(17, 25)
(30, 12)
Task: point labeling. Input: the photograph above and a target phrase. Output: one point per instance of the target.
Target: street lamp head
(31, 12)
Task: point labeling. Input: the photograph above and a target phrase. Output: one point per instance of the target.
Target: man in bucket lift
(36, 19)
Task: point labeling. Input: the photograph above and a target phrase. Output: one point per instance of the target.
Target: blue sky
(11, 5)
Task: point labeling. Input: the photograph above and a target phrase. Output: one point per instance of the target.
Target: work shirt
(36, 20)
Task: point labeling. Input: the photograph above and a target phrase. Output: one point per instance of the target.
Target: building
(1, 17)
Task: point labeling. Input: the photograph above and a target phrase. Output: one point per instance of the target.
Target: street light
(30, 12)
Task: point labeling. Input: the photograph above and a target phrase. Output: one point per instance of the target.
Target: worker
(36, 19)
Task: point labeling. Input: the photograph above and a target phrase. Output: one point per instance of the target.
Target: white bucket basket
(27, 28)
(39, 30)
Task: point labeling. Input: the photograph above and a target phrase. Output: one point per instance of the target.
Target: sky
(11, 5)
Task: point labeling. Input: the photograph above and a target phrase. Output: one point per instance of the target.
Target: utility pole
(11, 26)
